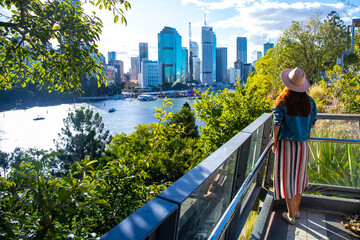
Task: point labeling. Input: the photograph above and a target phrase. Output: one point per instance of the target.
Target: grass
(334, 163)
(249, 226)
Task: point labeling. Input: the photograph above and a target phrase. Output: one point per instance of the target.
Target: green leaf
(37, 165)
(63, 194)
(116, 19)
(102, 202)
(91, 162)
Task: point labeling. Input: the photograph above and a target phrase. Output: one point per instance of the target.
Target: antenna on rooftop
(190, 56)
(190, 30)
(205, 18)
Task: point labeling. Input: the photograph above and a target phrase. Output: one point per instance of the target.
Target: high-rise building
(112, 75)
(184, 64)
(241, 49)
(111, 56)
(119, 65)
(248, 68)
(221, 64)
(197, 67)
(233, 75)
(170, 54)
(135, 67)
(256, 55)
(267, 46)
(194, 49)
(196, 61)
(208, 42)
(143, 52)
(151, 75)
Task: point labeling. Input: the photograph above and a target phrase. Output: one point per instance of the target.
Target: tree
(313, 46)
(4, 162)
(83, 134)
(26, 54)
(186, 118)
(227, 113)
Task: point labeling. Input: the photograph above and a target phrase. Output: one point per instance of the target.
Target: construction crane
(191, 78)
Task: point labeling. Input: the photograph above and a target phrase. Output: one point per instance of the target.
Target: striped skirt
(291, 168)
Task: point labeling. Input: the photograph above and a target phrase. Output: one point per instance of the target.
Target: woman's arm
(276, 129)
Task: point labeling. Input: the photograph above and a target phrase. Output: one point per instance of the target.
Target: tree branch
(10, 25)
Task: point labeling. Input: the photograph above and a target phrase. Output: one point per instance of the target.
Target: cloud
(196, 2)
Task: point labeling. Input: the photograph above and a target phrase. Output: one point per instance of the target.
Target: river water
(18, 129)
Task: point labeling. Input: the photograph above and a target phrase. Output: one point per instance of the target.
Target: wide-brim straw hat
(295, 79)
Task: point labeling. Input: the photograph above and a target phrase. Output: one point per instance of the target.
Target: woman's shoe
(288, 219)
(297, 215)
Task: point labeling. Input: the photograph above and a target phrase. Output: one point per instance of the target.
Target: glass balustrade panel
(201, 211)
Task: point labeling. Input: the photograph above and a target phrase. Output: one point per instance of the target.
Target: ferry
(146, 98)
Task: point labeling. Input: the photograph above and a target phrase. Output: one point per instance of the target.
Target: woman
(294, 114)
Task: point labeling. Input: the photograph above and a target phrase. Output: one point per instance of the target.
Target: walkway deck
(313, 224)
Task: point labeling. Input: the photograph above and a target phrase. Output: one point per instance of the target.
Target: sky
(259, 20)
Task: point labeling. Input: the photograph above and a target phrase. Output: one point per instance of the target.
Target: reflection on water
(18, 129)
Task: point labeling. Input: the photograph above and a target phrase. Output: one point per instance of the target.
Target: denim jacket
(294, 128)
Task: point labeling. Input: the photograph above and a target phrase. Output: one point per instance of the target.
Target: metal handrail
(335, 140)
(225, 220)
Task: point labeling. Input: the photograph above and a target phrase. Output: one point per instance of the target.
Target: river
(18, 129)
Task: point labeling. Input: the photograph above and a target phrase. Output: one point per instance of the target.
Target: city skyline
(258, 20)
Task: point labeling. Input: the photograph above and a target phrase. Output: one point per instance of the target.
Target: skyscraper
(267, 46)
(241, 49)
(208, 42)
(196, 61)
(111, 56)
(184, 63)
(194, 49)
(119, 65)
(170, 54)
(143, 52)
(221, 64)
(135, 67)
(256, 55)
(151, 76)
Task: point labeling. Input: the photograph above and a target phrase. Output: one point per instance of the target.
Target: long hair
(297, 103)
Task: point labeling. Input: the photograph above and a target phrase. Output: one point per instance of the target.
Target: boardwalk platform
(313, 224)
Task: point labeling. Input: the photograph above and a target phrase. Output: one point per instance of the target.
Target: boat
(146, 98)
(38, 118)
(112, 110)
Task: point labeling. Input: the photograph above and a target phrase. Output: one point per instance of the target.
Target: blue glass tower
(267, 46)
(221, 64)
(241, 49)
(111, 56)
(170, 54)
(143, 52)
(208, 40)
(184, 63)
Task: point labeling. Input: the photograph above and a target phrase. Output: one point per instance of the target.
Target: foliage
(227, 113)
(343, 89)
(186, 118)
(83, 134)
(166, 150)
(26, 54)
(313, 45)
(334, 163)
(4, 162)
(41, 206)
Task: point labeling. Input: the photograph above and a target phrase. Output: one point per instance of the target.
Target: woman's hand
(274, 146)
